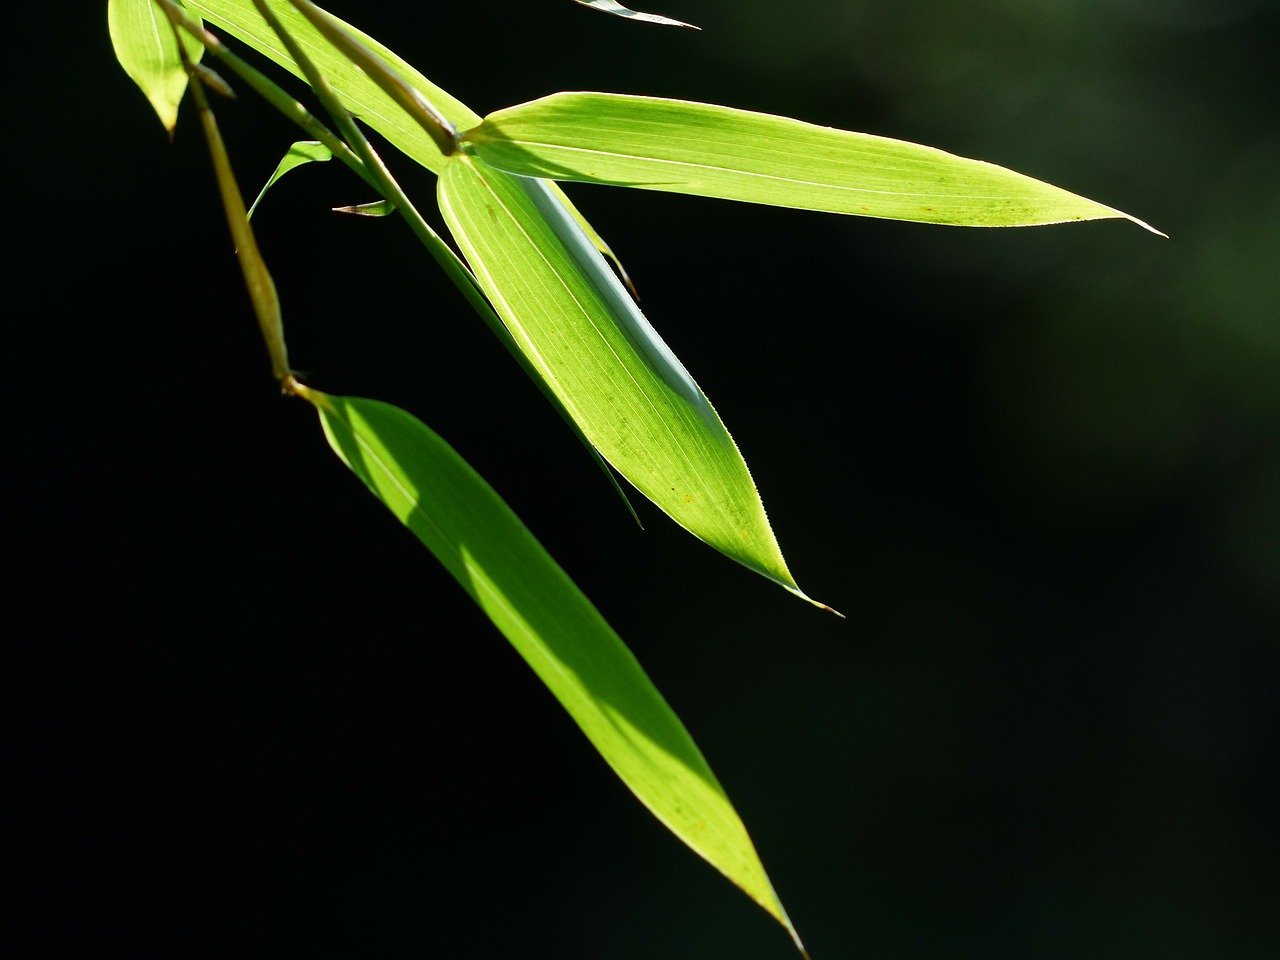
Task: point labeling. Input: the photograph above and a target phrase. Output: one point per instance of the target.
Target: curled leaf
(302, 152)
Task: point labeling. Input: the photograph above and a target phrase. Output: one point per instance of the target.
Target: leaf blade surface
(364, 98)
(146, 48)
(553, 626)
(633, 399)
(706, 150)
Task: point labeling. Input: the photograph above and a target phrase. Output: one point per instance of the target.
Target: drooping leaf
(631, 396)
(552, 625)
(147, 50)
(618, 10)
(299, 153)
(712, 151)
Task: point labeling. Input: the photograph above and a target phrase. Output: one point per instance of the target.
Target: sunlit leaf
(618, 10)
(712, 151)
(557, 630)
(302, 152)
(631, 396)
(147, 50)
(363, 97)
(597, 240)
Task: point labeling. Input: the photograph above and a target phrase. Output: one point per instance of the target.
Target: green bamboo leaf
(363, 97)
(712, 151)
(147, 50)
(618, 10)
(597, 240)
(631, 396)
(299, 153)
(549, 621)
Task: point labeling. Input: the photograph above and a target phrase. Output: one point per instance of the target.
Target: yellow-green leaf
(147, 50)
(622, 385)
(552, 625)
(712, 151)
(361, 95)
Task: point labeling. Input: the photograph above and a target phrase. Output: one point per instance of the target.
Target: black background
(249, 716)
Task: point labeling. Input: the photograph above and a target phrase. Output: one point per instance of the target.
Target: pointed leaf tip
(618, 10)
(147, 50)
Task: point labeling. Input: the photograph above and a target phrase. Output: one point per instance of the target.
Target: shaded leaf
(147, 50)
(631, 396)
(557, 630)
(697, 148)
(301, 152)
(618, 10)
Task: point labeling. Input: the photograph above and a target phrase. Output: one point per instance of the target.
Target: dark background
(248, 715)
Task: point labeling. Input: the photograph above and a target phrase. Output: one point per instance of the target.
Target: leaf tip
(618, 10)
(791, 931)
(791, 587)
(1144, 225)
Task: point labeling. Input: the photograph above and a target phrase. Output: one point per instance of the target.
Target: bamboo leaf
(631, 396)
(697, 148)
(147, 50)
(597, 240)
(618, 10)
(363, 97)
(552, 625)
(299, 153)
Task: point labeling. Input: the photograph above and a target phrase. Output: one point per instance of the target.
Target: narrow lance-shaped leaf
(619, 381)
(697, 148)
(557, 630)
(148, 51)
(618, 10)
